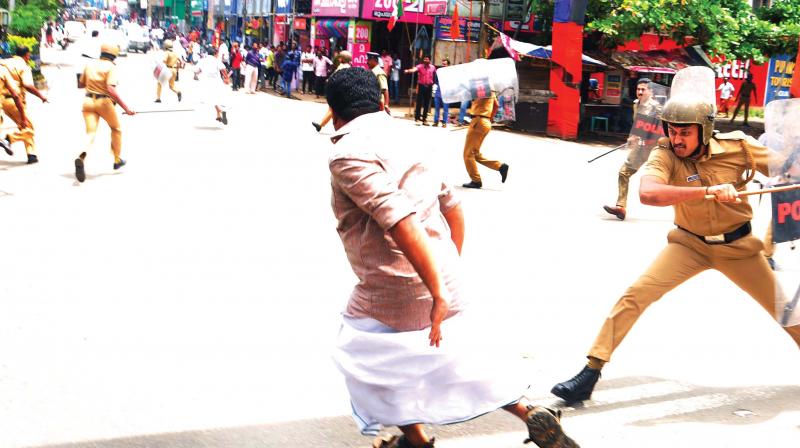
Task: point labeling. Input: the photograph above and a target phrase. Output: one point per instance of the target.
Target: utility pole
(150, 12)
(482, 34)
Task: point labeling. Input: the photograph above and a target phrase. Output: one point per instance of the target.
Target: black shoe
(158, 100)
(503, 173)
(617, 211)
(180, 97)
(578, 388)
(219, 119)
(32, 158)
(6, 144)
(120, 164)
(316, 126)
(544, 429)
(80, 173)
(224, 118)
(473, 184)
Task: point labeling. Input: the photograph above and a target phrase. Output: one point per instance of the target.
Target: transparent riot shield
(782, 123)
(478, 79)
(647, 128)
(696, 83)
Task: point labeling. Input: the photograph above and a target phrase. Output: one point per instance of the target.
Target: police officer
(372, 62)
(644, 104)
(9, 90)
(21, 74)
(482, 111)
(689, 164)
(100, 80)
(173, 62)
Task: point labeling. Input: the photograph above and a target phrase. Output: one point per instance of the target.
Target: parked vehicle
(115, 37)
(138, 39)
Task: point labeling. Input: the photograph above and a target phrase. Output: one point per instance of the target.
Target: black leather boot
(578, 388)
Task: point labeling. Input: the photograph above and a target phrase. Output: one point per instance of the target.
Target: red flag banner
(455, 31)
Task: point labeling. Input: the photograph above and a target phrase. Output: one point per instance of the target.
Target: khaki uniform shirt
(378, 71)
(7, 83)
(98, 75)
(725, 163)
(651, 108)
(171, 59)
(482, 107)
(20, 72)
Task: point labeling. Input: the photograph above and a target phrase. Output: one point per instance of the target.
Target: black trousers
(423, 102)
(319, 85)
(308, 80)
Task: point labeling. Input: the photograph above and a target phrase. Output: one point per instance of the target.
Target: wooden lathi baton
(763, 191)
(162, 110)
(609, 152)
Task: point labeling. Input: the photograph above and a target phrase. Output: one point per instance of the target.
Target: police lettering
(785, 209)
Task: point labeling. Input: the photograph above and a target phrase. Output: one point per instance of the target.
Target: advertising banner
(334, 8)
(413, 11)
(779, 78)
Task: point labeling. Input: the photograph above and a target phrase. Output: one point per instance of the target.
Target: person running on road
(213, 78)
(402, 228)
(21, 73)
(100, 80)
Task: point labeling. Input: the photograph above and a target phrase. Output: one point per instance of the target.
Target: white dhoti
(213, 92)
(396, 378)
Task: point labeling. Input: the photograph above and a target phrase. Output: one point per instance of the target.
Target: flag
(507, 44)
(397, 12)
(455, 26)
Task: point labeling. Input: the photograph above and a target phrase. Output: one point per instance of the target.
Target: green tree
(728, 28)
(28, 17)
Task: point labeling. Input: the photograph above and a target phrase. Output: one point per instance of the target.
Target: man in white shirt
(307, 66)
(223, 54)
(321, 64)
(213, 76)
(726, 90)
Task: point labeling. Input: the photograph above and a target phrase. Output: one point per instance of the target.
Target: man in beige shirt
(21, 74)
(685, 167)
(402, 229)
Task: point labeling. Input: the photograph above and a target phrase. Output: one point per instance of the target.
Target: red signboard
(382, 9)
(334, 8)
(436, 8)
(300, 24)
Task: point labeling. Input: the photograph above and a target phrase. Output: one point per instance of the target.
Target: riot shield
(696, 83)
(477, 79)
(647, 128)
(782, 123)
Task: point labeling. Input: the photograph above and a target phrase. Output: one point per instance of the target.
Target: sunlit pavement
(191, 298)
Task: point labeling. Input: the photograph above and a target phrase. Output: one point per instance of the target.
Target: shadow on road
(689, 404)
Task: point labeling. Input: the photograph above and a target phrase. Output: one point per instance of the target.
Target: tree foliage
(728, 28)
(28, 17)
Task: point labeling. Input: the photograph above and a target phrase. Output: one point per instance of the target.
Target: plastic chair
(601, 120)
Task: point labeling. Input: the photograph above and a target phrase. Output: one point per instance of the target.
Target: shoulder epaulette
(663, 143)
(733, 135)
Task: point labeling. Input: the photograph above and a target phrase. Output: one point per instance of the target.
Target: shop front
(330, 25)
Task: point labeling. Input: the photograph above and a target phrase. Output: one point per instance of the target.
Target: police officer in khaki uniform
(9, 90)
(689, 164)
(372, 63)
(482, 111)
(21, 73)
(644, 104)
(173, 62)
(100, 79)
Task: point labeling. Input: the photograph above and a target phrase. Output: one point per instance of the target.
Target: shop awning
(660, 61)
(332, 28)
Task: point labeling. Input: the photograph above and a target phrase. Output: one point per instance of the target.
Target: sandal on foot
(544, 429)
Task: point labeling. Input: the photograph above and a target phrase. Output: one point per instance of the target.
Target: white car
(74, 30)
(115, 37)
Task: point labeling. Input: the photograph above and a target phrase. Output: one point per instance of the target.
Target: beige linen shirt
(375, 185)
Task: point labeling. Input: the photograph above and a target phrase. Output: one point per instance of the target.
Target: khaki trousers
(684, 257)
(23, 133)
(171, 83)
(478, 129)
(93, 110)
(637, 156)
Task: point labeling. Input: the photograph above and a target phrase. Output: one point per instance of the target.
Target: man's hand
(438, 313)
(129, 112)
(724, 193)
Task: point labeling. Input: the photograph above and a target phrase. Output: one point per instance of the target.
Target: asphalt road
(191, 298)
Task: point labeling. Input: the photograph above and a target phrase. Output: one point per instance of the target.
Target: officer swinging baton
(609, 152)
(764, 191)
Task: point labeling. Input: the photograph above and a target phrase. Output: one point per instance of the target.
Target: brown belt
(97, 96)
